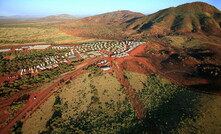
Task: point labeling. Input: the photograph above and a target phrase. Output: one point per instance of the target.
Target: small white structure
(41, 47)
(62, 47)
(4, 50)
(106, 68)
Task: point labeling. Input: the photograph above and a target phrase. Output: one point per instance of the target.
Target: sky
(82, 8)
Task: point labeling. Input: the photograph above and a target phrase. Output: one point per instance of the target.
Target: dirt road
(137, 105)
(36, 99)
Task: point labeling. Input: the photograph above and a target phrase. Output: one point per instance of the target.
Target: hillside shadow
(147, 26)
(169, 114)
(211, 88)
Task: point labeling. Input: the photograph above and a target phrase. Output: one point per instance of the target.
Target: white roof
(4, 50)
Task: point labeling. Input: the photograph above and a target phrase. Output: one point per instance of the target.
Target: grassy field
(176, 109)
(39, 119)
(89, 104)
(98, 31)
(136, 80)
(95, 103)
(28, 33)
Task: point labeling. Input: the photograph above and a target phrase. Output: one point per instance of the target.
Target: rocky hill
(191, 17)
(112, 17)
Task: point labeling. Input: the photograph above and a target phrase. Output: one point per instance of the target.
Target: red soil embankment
(138, 49)
(137, 64)
(137, 105)
(78, 55)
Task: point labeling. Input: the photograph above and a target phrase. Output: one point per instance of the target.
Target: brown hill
(111, 17)
(103, 26)
(191, 17)
(197, 17)
(58, 17)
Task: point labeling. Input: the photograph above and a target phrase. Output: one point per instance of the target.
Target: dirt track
(119, 65)
(36, 99)
(137, 105)
(41, 97)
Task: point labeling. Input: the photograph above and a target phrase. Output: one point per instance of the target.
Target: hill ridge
(59, 17)
(198, 17)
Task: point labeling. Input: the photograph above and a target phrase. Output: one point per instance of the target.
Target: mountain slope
(111, 17)
(191, 17)
(59, 17)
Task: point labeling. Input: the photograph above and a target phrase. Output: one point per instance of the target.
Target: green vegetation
(94, 69)
(21, 60)
(194, 43)
(57, 103)
(99, 106)
(96, 120)
(56, 122)
(98, 31)
(168, 104)
(16, 105)
(20, 34)
(177, 41)
(94, 109)
(27, 82)
(17, 128)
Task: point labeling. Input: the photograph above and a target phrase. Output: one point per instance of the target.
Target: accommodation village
(108, 49)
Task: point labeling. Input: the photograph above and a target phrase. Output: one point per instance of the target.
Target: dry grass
(176, 109)
(177, 41)
(136, 80)
(20, 34)
(208, 120)
(78, 97)
(39, 118)
(79, 94)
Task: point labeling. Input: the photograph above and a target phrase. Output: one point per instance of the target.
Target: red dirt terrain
(183, 67)
(38, 98)
(137, 64)
(137, 105)
(111, 17)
